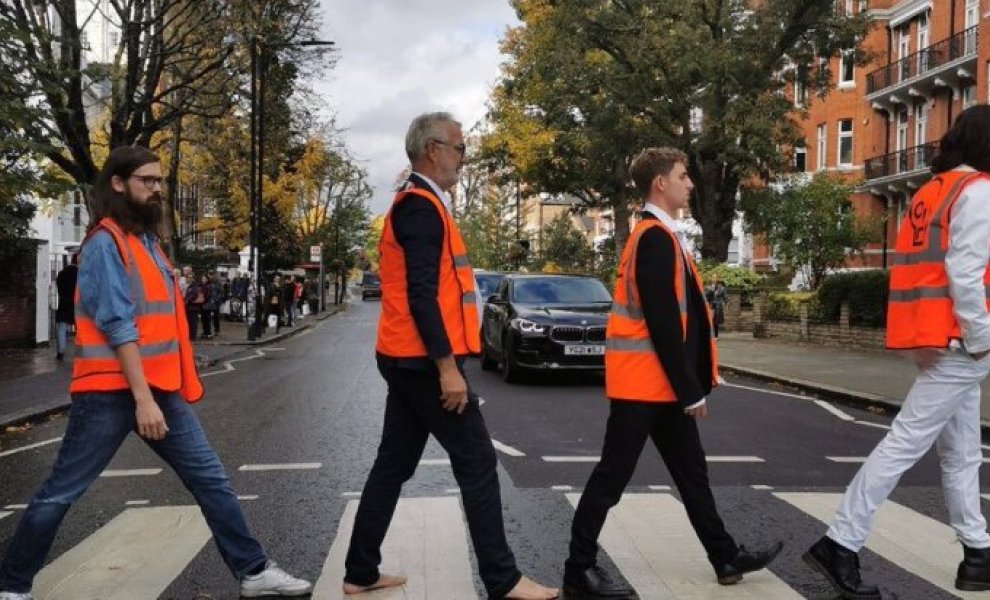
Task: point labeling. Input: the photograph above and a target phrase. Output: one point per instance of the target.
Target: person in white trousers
(946, 330)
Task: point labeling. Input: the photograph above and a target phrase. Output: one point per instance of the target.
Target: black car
(488, 281)
(371, 286)
(545, 322)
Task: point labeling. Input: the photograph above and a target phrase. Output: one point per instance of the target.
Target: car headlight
(526, 326)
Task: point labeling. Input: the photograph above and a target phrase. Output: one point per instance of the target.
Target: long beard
(148, 214)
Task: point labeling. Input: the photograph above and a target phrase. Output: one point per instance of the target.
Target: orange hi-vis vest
(397, 333)
(163, 332)
(919, 309)
(632, 367)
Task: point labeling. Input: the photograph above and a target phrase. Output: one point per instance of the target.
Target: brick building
(882, 122)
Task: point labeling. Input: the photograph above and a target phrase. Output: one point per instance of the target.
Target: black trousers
(675, 435)
(413, 411)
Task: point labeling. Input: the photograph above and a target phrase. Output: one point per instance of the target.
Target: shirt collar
(442, 195)
(661, 214)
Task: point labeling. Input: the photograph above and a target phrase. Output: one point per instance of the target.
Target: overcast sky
(400, 58)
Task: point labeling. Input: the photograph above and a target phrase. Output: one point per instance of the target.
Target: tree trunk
(713, 206)
(172, 191)
(620, 212)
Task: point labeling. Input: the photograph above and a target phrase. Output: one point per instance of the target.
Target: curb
(828, 392)
(35, 415)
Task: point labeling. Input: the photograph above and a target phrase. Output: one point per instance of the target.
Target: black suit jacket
(686, 362)
(418, 229)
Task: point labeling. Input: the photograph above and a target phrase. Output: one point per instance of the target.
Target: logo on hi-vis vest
(919, 223)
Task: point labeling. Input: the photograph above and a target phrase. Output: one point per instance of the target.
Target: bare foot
(384, 581)
(527, 589)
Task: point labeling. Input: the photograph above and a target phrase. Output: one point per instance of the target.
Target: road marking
(985, 497)
(15, 507)
(130, 472)
(835, 411)
(136, 555)
(762, 487)
(650, 539)
(29, 447)
(571, 459)
(562, 488)
(228, 365)
(137, 502)
(5, 513)
(506, 449)
(452, 491)
(352, 494)
(427, 541)
(846, 459)
(434, 462)
(659, 488)
(877, 425)
(763, 391)
(915, 543)
(281, 467)
(734, 459)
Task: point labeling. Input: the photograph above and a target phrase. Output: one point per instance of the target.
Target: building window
(114, 40)
(845, 143)
(968, 96)
(822, 145)
(801, 86)
(847, 69)
(800, 159)
(921, 124)
(848, 7)
(696, 119)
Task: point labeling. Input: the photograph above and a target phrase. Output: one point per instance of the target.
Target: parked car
(545, 322)
(371, 286)
(487, 282)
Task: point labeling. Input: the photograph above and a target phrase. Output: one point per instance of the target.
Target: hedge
(786, 306)
(866, 292)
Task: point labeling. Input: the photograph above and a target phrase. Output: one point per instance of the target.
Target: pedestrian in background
(274, 302)
(660, 365)
(428, 325)
(937, 313)
(195, 298)
(209, 307)
(188, 277)
(289, 299)
(715, 295)
(120, 384)
(65, 314)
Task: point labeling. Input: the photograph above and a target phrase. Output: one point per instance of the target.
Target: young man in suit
(660, 364)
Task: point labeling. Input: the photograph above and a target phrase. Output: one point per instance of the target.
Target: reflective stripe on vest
(159, 314)
(397, 333)
(632, 368)
(920, 309)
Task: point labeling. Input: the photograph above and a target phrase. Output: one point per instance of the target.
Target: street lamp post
(259, 68)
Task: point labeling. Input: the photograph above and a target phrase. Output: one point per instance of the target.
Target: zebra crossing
(138, 553)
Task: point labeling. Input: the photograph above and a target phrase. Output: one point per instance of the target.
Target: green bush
(729, 276)
(784, 306)
(866, 292)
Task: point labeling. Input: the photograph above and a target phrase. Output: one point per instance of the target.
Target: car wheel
(487, 362)
(511, 371)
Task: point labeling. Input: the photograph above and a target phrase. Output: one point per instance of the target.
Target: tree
(565, 247)
(590, 83)
(811, 225)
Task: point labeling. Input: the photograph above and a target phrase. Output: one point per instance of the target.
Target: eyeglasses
(459, 148)
(150, 181)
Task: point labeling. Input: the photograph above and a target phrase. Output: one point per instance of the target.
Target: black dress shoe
(595, 584)
(840, 566)
(974, 570)
(746, 561)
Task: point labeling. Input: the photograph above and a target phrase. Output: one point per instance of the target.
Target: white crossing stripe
(5, 513)
(281, 467)
(137, 502)
(562, 488)
(248, 497)
(659, 488)
(847, 459)
(29, 447)
(986, 496)
(130, 472)
(914, 542)
(507, 449)
(734, 459)
(761, 487)
(835, 411)
(435, 462)
(427, 542)
(571, 459)
(15, 506)
(136, 555)
(649, 537)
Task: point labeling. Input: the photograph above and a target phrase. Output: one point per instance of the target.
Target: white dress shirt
(966, 263)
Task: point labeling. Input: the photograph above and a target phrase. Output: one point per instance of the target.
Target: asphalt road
(315, 402)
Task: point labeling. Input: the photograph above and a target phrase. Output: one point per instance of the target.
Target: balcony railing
(940, 53)
(902, 161)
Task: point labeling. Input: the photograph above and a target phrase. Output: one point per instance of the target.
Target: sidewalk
(33, 384)
(864, 378)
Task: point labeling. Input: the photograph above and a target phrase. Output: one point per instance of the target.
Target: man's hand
(453, 387)
(150, 420)
(698, 412)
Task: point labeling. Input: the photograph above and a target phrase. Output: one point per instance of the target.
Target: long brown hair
(967, 142)
(105, 201)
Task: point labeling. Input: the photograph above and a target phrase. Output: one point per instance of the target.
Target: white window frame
(801, 150)
(902, 129)
(921, 124)
(846, 59)
(969, 90)
(845, 136)
(924, 39)
(822, 148)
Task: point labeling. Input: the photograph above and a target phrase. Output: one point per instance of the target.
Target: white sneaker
(273, 581)
(15, 596)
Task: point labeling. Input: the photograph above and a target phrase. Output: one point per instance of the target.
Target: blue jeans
(98, 424)
(61, 336)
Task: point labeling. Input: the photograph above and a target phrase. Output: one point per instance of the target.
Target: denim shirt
(104, 290)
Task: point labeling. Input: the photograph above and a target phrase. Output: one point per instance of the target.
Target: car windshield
(560, 290)
(370, 278)
(488, 283)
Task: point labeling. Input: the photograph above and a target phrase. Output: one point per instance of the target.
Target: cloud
(398, 59)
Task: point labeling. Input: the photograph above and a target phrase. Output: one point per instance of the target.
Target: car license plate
(575, 350)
